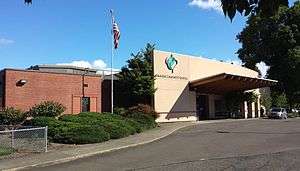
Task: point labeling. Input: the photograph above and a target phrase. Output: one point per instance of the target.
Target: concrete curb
(68, 159)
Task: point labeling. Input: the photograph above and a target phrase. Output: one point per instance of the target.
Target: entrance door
(202, 107)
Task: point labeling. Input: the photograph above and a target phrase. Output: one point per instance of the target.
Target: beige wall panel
(173, 95)
(175, 100)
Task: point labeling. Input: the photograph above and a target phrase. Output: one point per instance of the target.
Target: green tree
(234, 99)
(136, 80)
(279, 100)
(263, 7)
(275, 41)
(266, 101)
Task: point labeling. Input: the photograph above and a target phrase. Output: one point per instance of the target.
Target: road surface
(240, 145)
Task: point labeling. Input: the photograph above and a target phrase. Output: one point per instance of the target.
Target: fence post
(12, 139)
(46, 138)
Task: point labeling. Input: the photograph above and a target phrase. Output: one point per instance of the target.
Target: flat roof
(47, 72)
(62, 67)
(224, 82)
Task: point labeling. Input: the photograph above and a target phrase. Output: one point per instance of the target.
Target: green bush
(89, 114)
(115, 130)
(74, 133)
(71, 132)
(115, 125)
(52, 123)
(12, 116)
(120, 111)
(93, 127)
(146, 121)
(134, 124)
(47, 108)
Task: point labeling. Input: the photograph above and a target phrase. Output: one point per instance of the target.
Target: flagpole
(111, 64)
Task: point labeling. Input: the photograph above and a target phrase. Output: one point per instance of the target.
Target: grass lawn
(5, 151)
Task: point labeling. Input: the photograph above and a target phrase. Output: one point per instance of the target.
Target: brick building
(78, 89)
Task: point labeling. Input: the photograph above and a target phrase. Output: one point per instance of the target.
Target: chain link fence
(23, 139)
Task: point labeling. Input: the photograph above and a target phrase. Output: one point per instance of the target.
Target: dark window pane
(85, 102)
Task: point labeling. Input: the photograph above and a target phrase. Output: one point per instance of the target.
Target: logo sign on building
(171, 63)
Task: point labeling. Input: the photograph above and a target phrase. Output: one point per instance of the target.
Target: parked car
(278, 113)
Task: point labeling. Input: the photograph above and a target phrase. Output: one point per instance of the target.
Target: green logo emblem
(171, 62)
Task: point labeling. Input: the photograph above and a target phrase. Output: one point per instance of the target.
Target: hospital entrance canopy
(222, 83)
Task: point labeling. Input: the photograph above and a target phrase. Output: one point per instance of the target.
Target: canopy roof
(222, 83)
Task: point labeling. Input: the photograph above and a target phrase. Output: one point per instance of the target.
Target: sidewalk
(64, 153)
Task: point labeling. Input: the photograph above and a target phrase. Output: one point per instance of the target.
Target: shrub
(93, 127)
(115, 125)
(134, 124)
(71, 132)
(89, 114)
(74, 133)
(12, 116)
(143, 109)
(146, 121)
(116, 131)
(52, 123)
(47, 108)
(120, 111)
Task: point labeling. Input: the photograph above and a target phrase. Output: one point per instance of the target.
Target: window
(85, 104)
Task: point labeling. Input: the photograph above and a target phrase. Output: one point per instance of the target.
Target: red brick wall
(41, 86)
(1, 89)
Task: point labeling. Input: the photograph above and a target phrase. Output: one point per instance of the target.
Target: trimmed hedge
(74, 133)
(93, 127)
(115, 125)
(70, 132)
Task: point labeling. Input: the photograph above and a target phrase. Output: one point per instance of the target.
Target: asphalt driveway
(246, 144)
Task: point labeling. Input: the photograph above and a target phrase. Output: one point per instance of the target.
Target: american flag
(115, 31)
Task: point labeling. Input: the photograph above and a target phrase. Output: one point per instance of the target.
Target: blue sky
(56, 31)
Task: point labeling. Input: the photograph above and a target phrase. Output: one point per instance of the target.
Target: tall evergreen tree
(136, 79)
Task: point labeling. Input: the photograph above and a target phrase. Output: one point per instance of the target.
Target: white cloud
(99, 64)
(96, 64)
(207, 4)
(81, 63)
(263, 68)
(4, 41)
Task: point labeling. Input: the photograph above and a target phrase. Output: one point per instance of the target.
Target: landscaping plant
(92, 127)
(47, 108)
(12, 116)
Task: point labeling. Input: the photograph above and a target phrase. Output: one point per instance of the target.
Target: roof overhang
(222, 83)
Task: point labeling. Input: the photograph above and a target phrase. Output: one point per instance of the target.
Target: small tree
(279, 100)
(266, 101)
